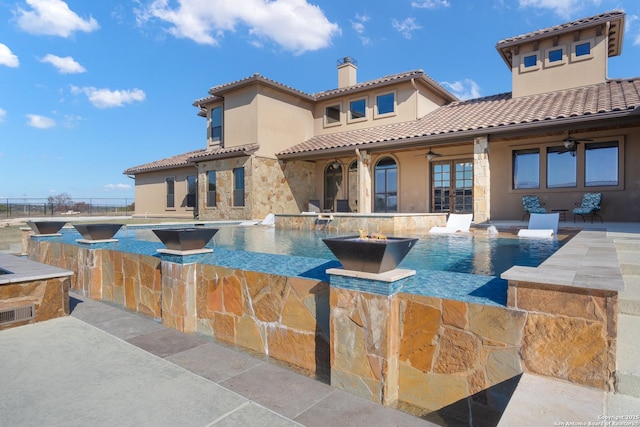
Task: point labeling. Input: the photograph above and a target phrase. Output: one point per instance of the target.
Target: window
(526, 169)
(358, 109)
(352, 186)
(216, 125)
(530, 61)
(332, 115)
(211, 189)
(601, 164)
(192, 188)
(386, 186)
(385, 104)
(238, 186)
(561, 168)
(583, 49)
(332, 184)
(170, 186)
(555, 55)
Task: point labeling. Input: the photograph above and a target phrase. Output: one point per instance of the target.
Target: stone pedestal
(179, 295)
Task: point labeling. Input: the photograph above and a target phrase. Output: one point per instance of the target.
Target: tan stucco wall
(619, 204)
(570, 74)
(151, 195)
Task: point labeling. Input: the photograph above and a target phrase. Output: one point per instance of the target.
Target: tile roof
(187, 159)
(492, 114)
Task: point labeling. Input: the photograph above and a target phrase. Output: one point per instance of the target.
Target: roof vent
(17, 314)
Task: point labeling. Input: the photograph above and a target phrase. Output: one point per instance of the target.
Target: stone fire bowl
(185, 240)
(370, 255)
(46, 227)
(97, 232)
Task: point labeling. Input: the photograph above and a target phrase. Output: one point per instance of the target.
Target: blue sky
(90, 88)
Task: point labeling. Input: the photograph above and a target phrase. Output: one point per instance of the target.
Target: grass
(11, 235)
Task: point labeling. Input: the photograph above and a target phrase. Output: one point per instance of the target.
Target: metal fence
(27, 207)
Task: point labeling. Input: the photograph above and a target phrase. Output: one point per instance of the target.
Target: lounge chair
(456, 223)
(531, 204)
(590, 206)
(541, 225)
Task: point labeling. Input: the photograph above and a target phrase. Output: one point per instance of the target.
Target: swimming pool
(475, 253)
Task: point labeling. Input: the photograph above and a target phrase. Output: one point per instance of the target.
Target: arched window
(332, 184)
(386, 186)
(352, 186)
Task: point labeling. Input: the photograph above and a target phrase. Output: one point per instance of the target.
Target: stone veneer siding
(426, 351)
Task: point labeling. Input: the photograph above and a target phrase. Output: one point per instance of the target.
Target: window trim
(523, 150)
(366, 110)
(376, 114)
(576, 58)
(548, 63)
(525, 69)
(325, 115)
(620, 185)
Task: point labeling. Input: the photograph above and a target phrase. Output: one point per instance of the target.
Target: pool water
(474, 253)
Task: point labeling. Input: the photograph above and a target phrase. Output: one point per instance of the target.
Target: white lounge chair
(541, 225)
(270, 219)
(456, 223)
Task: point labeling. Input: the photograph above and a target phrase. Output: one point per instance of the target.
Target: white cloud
(3, 114)
(40, 122)
(106, 98)
(466, 89)
(110, 187)
(405, 27)
(295, 25)
(358, 26)
(563, 8)
(7, 57)
(631, 30)
(65, 65)
(54, 18)
(430, 4)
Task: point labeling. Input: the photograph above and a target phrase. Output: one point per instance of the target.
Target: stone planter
(185, 240)
(97, 232)
(46, 227)
(370, 255)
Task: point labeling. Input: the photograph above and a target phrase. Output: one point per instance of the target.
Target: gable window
(211, 189)
(192, 187)
(561, 168)
(332, 115)
(601, 166)
(530, 61)
(526, 169)
(582, 50)
(170, 184)
(238, 186)
(386, 104)
(216, 125)
(555, 55)
(386, 186)
(358, 109)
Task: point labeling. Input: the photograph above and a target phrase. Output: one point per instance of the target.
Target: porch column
(364, 182)
(481, 180)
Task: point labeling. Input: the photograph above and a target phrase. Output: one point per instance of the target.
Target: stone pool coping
(588, 261)
(24, 270)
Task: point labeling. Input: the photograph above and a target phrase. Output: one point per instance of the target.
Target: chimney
(347, 67)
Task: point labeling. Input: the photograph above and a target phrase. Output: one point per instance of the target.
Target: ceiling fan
(570, 144)
(430, 155)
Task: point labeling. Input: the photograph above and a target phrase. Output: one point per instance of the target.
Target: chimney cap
(347, 60)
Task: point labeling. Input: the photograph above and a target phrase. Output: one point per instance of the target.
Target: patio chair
(590, 206)
(531, 204)
(455, 223)
(541, 225)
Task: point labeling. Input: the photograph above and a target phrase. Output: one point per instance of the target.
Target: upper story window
(582, 50)
(385, 104)
(358, 109)
(529, 61)
(555, 56)
(601, 166)
(216, 126)
(526, 169)
(332, 115)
